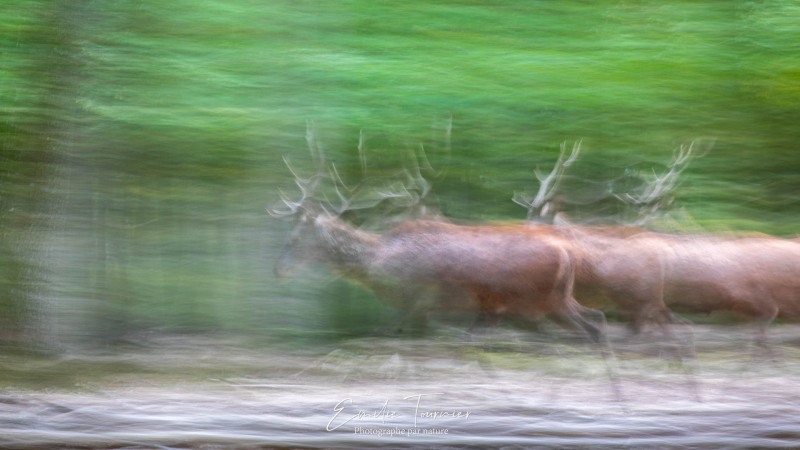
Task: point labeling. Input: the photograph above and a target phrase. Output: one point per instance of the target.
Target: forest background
(141, 141)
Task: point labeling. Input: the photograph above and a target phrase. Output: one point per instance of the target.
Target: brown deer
(615, 267)
(502, 270)
(319, 234)
(757, 278)
(754, 275)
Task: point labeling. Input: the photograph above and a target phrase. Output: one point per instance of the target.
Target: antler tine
(415, 175)
(347, 195)
(545, 181)
(411, 198)
(681, 158)
(316, 148)
(337, 179)
(423, 155)
(302, 183)
(576, 150)
(659, 188)
(297, 177)
(546, 191)
(524, 200)
(395, 190)
(344, 201)
(658, 192)
(291, 206)
(684, 154)
(548, 185)
(306, 185)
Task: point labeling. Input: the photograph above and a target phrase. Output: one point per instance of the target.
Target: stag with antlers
(320, 234)
(612, 264)
(754, 277)
(498, 270)
(646, 275)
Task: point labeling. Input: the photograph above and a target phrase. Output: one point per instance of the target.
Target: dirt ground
(508, 389)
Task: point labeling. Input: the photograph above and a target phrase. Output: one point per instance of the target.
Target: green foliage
(141, 139)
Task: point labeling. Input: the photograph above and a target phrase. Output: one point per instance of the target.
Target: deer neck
(345, 248)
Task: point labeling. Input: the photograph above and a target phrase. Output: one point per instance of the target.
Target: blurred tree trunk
(48, 180)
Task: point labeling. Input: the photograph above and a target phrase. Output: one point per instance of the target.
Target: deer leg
(761, 346)
(593, 324)
(763, 314)
(412, 305)
(420, 303)
(488, 316)
(682, 349)
(589, 322)
(664, 321)
(484, 319)
(682, 346)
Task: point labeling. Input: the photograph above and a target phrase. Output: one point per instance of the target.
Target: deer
(494, 269)
(615, 267)
(755, 276)
(431, 252)
(320, 234)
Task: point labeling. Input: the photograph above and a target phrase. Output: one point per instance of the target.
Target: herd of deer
(532, 269)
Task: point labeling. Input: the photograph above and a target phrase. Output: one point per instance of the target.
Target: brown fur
(501, 269)
(754, 277)
(509, 269)
(640, 273)
(614, 269)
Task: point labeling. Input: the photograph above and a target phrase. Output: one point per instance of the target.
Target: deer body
(506, 269)
(646, 275)
(617, 267)
(425, 266)
(642, 273)
(758, 278)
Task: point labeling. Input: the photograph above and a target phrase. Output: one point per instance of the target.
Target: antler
(548, 185)
(353, 199)
(306, 185)
(414, 175)
(657, 192)
(366, 195)
(662, 185)
(406, 192)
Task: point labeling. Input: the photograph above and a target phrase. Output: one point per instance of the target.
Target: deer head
(319, 233)
(299, 249)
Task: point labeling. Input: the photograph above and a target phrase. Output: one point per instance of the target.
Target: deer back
(522, 269)
(753, 276)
